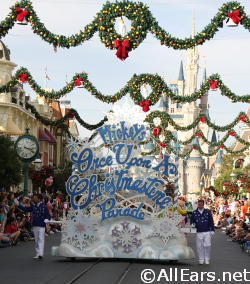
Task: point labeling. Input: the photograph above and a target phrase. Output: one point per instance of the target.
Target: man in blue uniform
(40, 217)
(203, 221)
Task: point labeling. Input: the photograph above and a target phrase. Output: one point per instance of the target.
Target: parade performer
(180, 210)
(41, 216)
(180, 205)
(203, 221)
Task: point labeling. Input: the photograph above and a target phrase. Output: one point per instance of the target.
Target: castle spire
(192, 67)
(181, 72)
(204, 73)
(219, 157)
(214, 138)
(193, 25)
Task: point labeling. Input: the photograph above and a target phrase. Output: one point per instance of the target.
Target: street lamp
(201, 183)
(38, 164)
(38, 167)
(232, 175)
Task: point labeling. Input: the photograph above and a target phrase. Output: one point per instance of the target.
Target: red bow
(235, 16)
(194, 147)
(122, 46)
(202, 119)
(145, 105)
(198, 134)
(23, 77)
(162, 145)
(21, 14)
(232, 133)
(222, 146)
(78, 81)
(156, 131)
(242, 118)
(71, 115)
(213, 84)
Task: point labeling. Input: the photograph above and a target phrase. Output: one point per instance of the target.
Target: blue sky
(226, 54)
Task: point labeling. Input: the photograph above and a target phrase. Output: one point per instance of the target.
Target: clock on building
(27, 147)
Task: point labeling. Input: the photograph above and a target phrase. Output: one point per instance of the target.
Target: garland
(133, 87)
(142, 22)
(71, 114)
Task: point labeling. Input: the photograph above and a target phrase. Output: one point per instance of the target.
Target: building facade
(15, 117)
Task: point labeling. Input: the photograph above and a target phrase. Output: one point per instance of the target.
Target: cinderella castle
(196, 172)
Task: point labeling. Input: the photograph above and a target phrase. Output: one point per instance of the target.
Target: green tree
(61, 175)
(10, 165)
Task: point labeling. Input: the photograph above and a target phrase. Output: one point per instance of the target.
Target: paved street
(18, 266)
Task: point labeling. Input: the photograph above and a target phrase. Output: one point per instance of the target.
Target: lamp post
(38, 167)
(201, 184)
(232, 175)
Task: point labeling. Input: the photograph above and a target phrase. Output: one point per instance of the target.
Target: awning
(42, 136)
(12, 129)
(52, 138)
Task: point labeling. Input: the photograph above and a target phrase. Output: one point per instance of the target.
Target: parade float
(118, 205)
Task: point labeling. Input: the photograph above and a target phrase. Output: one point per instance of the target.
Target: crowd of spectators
(233, 216)
(16, 225)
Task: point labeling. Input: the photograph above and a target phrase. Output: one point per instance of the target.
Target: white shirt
(201, 210)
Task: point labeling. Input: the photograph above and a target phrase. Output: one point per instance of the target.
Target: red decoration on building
(202, 119)
(78, 81)
(235, 16)
(156, 131)
(122, 46)
(23, 77)
(145, 105)
(213, 84)
(20, 14)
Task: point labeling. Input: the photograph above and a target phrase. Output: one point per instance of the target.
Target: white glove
(212, 233)
(46, 221)
(16, 202)
(193, 225)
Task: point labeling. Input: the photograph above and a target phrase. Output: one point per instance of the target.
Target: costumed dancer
(41, 216)
(203, 221)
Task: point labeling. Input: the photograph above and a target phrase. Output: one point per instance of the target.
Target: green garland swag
(133, 87)
(72, 113)
(142, 22)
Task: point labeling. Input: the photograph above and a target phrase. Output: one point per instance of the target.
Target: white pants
(203, 245)
(39, 239)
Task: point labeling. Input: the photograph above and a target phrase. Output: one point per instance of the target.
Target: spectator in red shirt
(12, 231)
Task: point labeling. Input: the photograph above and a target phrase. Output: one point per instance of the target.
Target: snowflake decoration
(166, 227)
(126, 238)
(72, 143)
(81, 229)
(130, 114)
(85, 143)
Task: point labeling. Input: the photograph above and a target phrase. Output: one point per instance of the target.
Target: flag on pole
(46, 76)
